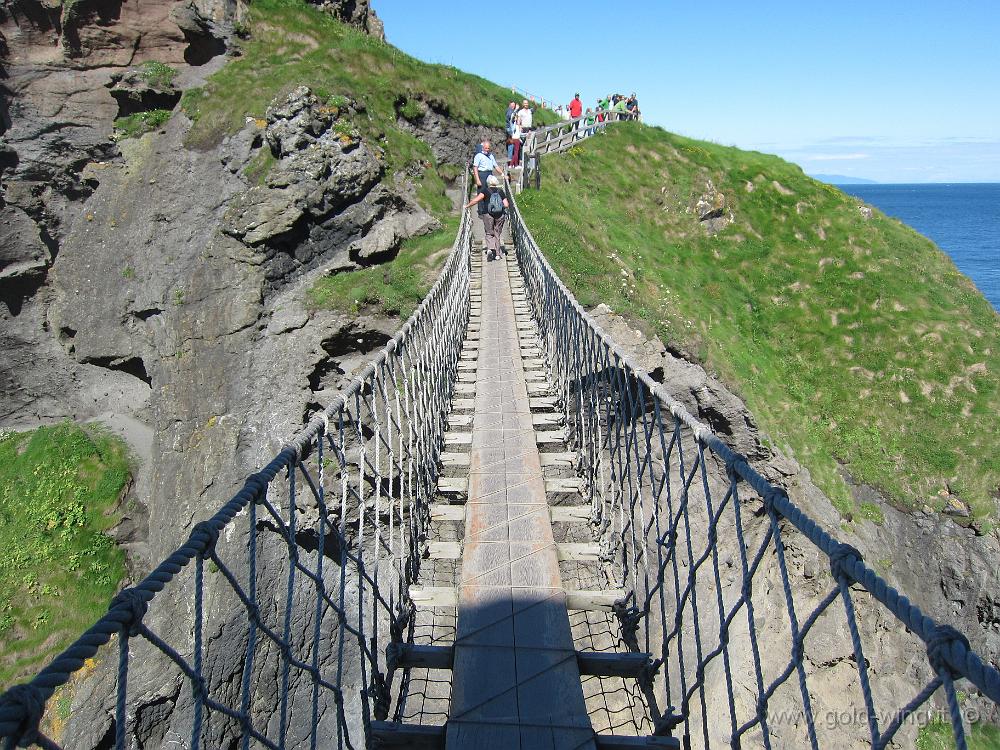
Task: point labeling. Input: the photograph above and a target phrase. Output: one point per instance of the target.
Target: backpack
(494, 204)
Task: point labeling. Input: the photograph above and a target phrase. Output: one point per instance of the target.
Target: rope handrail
(385, 432)
(629, 430)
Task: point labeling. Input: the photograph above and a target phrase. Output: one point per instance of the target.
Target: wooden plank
(621, 742)
(411, 655)
(581, 551)
(611, 664)
(436, 596)
(564, 484)
(442, 512)
(444, 550)
(548, 437)
(546, 420)
(570, 513)
(565, 459)
(543, 402)
(390, 734)
(592, 601)
(453, 485)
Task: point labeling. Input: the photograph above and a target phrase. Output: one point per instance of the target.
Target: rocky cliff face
(157, 290)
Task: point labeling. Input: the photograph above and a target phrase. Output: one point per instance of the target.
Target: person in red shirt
(575, 108)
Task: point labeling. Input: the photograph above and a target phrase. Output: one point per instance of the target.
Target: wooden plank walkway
(516, 682)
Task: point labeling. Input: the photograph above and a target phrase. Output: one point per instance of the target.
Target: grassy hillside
(59, 489)
(292, 44)
(855, 341)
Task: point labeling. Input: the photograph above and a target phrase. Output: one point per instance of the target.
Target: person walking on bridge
(492, 207)
(484, 163)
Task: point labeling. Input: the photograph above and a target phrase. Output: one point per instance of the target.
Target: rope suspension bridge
(503, 533)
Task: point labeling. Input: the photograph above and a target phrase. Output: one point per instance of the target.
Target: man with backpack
(493, 205)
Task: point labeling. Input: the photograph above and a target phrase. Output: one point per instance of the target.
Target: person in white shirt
(524, 116)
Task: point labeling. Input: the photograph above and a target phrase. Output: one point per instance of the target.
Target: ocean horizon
(962, 218)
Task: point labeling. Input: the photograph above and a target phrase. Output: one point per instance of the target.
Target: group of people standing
(520, 122)
(615, 106)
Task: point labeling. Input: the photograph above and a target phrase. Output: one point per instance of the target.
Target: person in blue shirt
(484, 164)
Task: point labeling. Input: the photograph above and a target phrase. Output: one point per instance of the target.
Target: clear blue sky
(891, 90)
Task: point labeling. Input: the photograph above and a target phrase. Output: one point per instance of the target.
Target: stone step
(459, 420)
(463, 404)
(455, 459)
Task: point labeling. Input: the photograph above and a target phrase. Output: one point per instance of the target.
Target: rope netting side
(310, 567)
(749, 651)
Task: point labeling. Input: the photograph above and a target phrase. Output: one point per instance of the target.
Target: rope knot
(210, 532)
(772, 494)
(731, 462)
(628, 616)
(132, 603)
(943, 640)
(257, 485)
(841, 556)
(392, 653)
(28, 702)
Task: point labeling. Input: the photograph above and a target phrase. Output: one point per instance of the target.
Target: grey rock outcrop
(135, 90)
(712, 209)
(356, 13)
(324, 196)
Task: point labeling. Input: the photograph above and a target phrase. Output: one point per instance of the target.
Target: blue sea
(962, 219)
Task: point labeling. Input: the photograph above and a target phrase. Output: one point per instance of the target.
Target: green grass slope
(59, 490)
(293, 44)
(855, 340)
